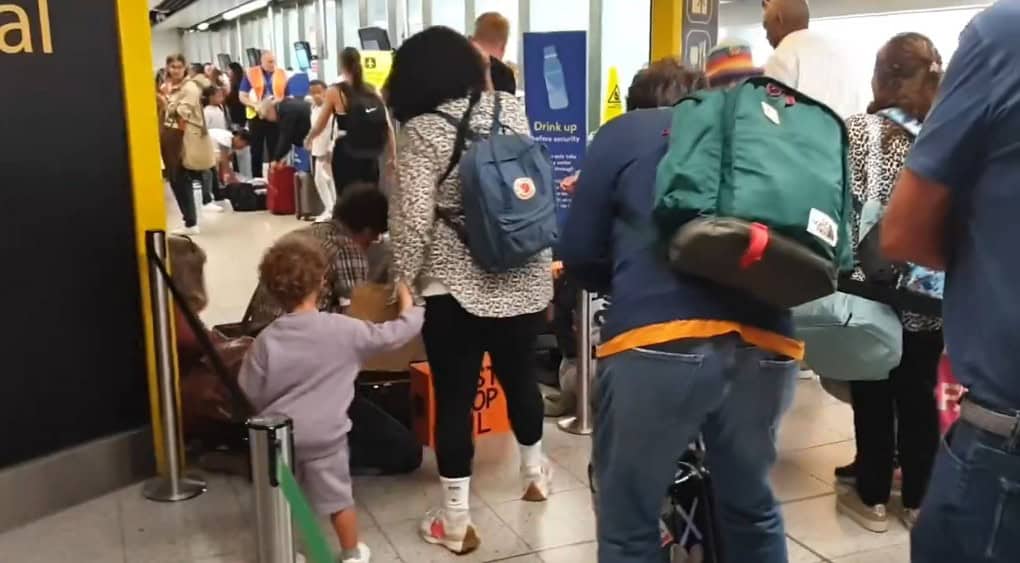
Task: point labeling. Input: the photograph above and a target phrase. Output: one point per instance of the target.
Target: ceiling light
(204, 26)
(245, 9)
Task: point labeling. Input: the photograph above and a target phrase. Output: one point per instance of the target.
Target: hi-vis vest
(257, 79)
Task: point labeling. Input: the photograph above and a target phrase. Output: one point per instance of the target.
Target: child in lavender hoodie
(304, 364)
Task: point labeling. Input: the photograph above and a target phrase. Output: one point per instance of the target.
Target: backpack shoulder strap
(463, 133)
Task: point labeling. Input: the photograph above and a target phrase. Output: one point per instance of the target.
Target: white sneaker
(325, 217)
(537, 482)
(450, 530)
(212, 207)
(186, 231)
(366, 555)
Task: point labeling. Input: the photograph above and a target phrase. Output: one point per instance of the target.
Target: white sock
(456, 493)
(531, 456)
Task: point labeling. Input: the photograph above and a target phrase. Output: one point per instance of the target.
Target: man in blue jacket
(681, 355)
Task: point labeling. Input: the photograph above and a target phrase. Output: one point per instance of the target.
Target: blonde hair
(492, 28)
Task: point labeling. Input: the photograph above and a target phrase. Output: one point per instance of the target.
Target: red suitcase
(280, 197)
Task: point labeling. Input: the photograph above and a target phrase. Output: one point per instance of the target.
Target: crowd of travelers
(681, 358)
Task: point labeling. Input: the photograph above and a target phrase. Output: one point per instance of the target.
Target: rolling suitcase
(280, 197)
(306, 197)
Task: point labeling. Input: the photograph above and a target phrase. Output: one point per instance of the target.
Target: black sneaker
(847, 475)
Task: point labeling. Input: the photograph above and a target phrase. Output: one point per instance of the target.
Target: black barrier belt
(899, 299)
(238, 398)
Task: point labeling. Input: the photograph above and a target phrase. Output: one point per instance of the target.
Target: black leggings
(349, 170)
(899, 411)
(455, 342)
(264, 135)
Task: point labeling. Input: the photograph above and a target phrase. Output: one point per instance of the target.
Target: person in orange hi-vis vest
(259, 83)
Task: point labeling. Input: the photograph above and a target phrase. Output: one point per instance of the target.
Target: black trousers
(264, 135)
(455, 342)
(899, 415)
(380, 444)
(181, 183)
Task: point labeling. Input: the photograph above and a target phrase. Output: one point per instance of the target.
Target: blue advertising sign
(556, 100)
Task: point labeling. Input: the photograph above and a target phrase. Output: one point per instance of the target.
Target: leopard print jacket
(426, 248)
(878, 151)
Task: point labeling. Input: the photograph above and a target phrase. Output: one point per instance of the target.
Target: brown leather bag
(206, 405)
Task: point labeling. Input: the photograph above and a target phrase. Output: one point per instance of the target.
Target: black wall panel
(72, 365)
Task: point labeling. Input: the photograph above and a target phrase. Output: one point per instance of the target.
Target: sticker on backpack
(823, 227)
(770, 112)
(524, 188)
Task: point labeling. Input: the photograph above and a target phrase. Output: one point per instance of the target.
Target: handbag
(198, 150)
(849, 338)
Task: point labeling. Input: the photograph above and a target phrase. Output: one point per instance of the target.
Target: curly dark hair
(293, 269)
(362, 206)
(431, 67)
(908, 70)
(663, 83)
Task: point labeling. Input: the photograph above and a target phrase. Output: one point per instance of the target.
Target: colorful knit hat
(730, 61)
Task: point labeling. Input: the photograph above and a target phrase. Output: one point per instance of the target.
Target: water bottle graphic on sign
(555, 82)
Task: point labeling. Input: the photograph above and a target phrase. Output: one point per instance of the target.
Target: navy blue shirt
(609, 242)
(970, 143)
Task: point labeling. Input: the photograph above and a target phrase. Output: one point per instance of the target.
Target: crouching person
(304, 364)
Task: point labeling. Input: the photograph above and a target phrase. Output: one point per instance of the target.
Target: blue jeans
(650, 404)
(972, 511)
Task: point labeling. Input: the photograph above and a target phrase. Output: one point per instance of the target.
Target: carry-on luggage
(280, 198)
(246, 196)
(690, 526)
(756, 182)
(306, 198)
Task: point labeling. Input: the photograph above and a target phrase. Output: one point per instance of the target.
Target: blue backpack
(506, 185)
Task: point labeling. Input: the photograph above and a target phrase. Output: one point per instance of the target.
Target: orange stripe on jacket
(677, 330)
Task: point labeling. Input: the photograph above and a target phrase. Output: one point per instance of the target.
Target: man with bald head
(807, 60)
(260, 83)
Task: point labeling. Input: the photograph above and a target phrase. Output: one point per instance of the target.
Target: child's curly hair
(293, 269)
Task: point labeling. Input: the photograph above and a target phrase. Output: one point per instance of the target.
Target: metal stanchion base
(159, 489)
(574, 425)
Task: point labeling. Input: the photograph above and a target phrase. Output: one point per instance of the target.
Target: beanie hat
(730, 61)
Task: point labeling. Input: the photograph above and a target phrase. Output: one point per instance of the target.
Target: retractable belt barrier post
(581, 422)
(279, 502)
(174, 486)
(271, 442)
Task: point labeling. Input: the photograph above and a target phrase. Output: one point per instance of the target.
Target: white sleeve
(782, 66)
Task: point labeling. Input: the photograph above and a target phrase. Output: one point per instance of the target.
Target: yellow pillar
(143, 155)
(667, 28)
(685, 29)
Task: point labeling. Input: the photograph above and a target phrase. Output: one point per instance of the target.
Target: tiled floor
(217, 527)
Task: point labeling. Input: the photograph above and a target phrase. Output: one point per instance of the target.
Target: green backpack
(754, 192)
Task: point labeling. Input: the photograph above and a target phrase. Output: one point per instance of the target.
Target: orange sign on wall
(488, 412)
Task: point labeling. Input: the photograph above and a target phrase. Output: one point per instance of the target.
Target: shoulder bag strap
(906, 122)
(460, 143)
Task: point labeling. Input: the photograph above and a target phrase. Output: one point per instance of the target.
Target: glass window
(626, 36)
(450, 13)
(510, 10)
(562, 15)
(292, 21)
(415, 17)
(377, 15)
(349, 12)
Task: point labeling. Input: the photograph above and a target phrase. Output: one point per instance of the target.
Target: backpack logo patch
(823, 227)
(524, 189)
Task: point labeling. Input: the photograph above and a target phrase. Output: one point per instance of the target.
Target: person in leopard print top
(468, 312)
(898, 413)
